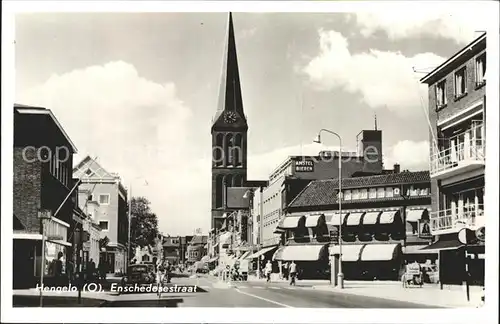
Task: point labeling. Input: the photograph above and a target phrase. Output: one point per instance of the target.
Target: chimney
(397, 168)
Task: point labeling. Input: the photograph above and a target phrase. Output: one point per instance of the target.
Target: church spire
(230, 98)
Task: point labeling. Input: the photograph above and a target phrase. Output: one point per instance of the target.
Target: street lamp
(340, 275)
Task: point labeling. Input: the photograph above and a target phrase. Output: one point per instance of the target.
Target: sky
(139, 90)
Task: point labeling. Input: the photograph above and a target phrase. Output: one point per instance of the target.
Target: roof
(32, 110)
(454, 58)
(324, 192)
(199, 239)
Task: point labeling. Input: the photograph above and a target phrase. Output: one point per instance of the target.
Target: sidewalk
(430, 294)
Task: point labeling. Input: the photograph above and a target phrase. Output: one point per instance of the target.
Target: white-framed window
(460, 82)
(389, 192)
(363, 193)
(355, 194)
(104, 225)
(480, 68)
(424, 191)
(372, 193)
(347, 195)
(380, 192)
(441, 94)
(104, 199)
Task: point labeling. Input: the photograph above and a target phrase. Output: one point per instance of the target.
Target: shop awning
(416, 249)
(371, 218)
(414, 215)
(350, 252)
(60, 242)
(278, 230)
(312, 220)
(336, 219)
(213, 259)
(261, 252)
(205, 259)
(444, 245)
(244, 255)
(379, 252)
(27, 236)
(387, 217)
(299, 252)
(289, 222)
(354, 219)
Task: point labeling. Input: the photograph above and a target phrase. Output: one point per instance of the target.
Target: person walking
(286, 267)
(268, 270)
(293, 273)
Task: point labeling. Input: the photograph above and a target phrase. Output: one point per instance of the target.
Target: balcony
(452, 220)
(463, 157)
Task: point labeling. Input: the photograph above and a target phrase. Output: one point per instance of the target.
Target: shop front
(369, 261)
(312, 260)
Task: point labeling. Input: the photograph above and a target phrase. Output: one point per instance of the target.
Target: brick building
(457, 112)
(384, 220)
(103, 196)
(42, 181)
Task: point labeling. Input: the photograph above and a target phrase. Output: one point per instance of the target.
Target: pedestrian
(92, 270)
(70, 270)
(293, 273)
(268, 270)
(285, 270)
(102, 270)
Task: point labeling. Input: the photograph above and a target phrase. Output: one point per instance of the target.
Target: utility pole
(129, 228)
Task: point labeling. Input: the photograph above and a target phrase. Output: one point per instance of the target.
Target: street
(253, 294)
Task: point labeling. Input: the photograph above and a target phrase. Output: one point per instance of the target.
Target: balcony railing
(455, 218)
(469, 151)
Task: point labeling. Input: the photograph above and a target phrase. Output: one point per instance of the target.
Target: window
(424, 191)
(364, 193)
(104, 199)
(372, 193)
(355, 194)
(441, 94)
(104, 225)
(460, 82)
(480, 69)
(380, 192)
(389, 192)
(347, 195)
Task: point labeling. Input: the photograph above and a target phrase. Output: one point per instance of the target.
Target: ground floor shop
(28, 264)
(114, 258)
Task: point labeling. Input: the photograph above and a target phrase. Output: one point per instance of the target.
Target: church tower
(229, 132)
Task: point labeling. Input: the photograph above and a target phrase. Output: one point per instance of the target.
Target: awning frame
(392, 247)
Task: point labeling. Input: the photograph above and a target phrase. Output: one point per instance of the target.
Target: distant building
(197, 248)
(102, 194)
(42, 180)
(171, 249)
(457, 113)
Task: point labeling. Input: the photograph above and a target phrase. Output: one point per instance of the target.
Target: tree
(143, 225)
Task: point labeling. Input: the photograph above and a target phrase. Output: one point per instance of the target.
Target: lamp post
(340, 275)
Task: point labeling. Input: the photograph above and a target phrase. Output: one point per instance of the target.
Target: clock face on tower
(230, 117)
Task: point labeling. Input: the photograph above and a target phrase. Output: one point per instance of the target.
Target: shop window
(364, 194)
(380, 192)
(389, 192)
(347, 195)
(355, 194)
(372, 193)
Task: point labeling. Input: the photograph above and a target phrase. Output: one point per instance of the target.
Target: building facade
(457, 112)
(384, 223)
(103, 194)
(43, 158)
(229, 133)
(172, 249)
(196, 249)
(297, 171)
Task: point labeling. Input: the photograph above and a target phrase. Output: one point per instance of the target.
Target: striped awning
(354, 219)
(387, 217)
(289, 222)
(414, 215)
(300, 252)
(337, 219)
(312, 220)
(379, 252)
(371, 218)
(350, 252)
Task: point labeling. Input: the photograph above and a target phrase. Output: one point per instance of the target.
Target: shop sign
(304, 166)
(424, 229)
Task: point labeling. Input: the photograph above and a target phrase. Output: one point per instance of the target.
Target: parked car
(138, 274)
(430, 273)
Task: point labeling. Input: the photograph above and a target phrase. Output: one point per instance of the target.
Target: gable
(89, 169)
